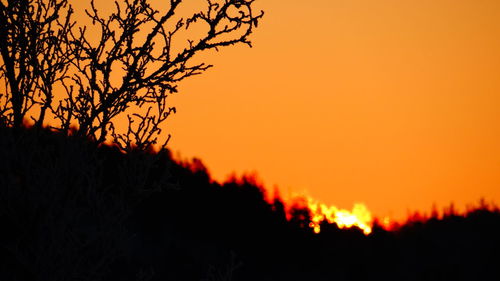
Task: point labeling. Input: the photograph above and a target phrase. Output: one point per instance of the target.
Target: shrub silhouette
(64, 203)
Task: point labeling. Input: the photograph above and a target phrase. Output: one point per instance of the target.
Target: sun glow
(360, 216)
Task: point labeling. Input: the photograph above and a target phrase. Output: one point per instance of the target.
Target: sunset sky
(392, 103)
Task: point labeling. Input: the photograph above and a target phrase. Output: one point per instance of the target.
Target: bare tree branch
(31, 59)
(140, 56)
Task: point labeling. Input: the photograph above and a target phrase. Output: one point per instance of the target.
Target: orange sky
(392, 103)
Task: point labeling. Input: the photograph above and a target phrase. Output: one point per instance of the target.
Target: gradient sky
(393, 103)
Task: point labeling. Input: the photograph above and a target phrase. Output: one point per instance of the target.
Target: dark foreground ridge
(70, 210)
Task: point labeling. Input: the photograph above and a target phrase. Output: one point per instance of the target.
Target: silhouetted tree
(32, 58)
(140, 55)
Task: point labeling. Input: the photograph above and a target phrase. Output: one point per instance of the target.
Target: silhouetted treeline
(70, 210)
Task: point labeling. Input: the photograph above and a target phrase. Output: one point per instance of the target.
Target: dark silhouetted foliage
(73, 210)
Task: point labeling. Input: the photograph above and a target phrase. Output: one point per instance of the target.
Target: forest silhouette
(74, 207)
(74, 210)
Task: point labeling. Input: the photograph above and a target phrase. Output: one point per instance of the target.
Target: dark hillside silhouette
(73, 210)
